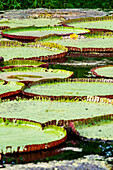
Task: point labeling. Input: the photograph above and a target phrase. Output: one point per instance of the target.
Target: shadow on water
(66, 151)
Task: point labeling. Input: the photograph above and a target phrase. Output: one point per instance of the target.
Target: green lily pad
(102, 24)
(11, 49)
(7, 89)
(101, 129)
(32, 74)
(82, 42)
(28, 22)
(97, 34)
(23, 63)
(103, 71)
(47, 110)
(28, 136)
(42, 31)
(74, 87)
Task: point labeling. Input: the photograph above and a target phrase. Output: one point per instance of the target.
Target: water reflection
(76, 149)
(43, 155)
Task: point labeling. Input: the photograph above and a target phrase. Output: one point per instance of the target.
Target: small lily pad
(103, 71)
(10, 88)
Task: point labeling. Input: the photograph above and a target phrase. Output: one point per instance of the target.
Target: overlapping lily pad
(99, 22)
(10, 88)
(99, 34)
(98, 127)
(13, 63)
(82, 42)
(24, 135)
(72, 87)
(103, 71)
(36, 51)
(32, 74)
(47, 110)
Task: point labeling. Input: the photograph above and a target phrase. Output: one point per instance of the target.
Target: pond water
(80, 64)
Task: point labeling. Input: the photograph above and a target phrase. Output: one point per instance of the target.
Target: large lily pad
(82, 42)
(23, 136)
(10, 50)
(28, 22)
(74, 87)
(103, 71)
(101, 23)
(31, 33)
(32, 74)
(101, 128)
(47, 110)
(14, 63)
(10, 88)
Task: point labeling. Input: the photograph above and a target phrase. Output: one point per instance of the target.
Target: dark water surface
(81, 65)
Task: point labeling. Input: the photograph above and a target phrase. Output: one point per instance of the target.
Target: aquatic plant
(99, 22)
(103, 71)
(80, 87)
(12, 63)
(58, 111)
(84, 43)
(38, 22)
(22, 135)
(97, 127)
(32, 73)
(37, 51)
(10, 88)
(31, 33)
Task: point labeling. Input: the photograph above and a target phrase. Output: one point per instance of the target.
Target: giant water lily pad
(103, 71)
(24, 136)
(47, 110)
(28, 22)
(14, 63)
(74, 87)
(10, 88)
(82, 42)
(29, 33)
(101, 128)
(102, 24)
(10, 50)
(32, 74)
